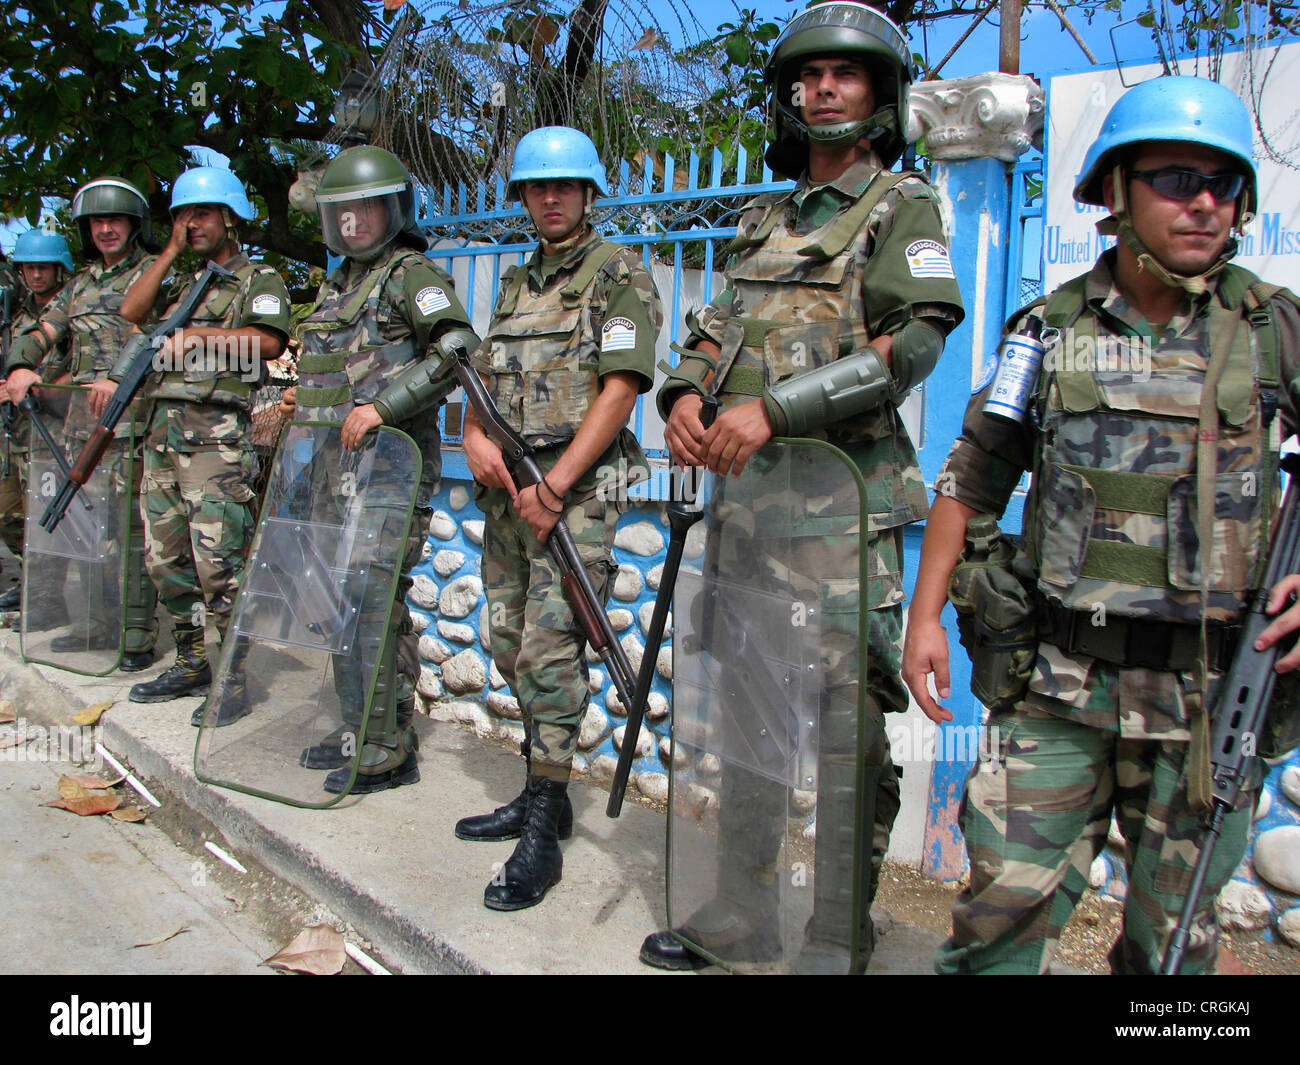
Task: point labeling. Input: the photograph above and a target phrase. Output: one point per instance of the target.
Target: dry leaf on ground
(8, 712)
(93, 783)
(163, 938)
(89, 804)
(128, 813)
(317, 950)
(92, 713)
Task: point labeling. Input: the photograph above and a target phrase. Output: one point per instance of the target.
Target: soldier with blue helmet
(198, 466)
(1134, 585)
(570, 346)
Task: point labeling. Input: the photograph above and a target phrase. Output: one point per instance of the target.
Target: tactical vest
(347, 359)
(209, 371)
(1114, 515)
(545, 352)
(96, 326)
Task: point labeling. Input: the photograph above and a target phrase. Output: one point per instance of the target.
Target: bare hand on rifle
(1288, 621)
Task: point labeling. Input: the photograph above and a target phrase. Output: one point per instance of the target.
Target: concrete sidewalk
(390, 864)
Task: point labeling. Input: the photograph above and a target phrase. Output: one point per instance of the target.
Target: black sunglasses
(1179, 184)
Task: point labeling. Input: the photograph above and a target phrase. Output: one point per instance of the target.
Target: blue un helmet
(212, 184)
(1176, 108)
(553, 153)
(42, 246)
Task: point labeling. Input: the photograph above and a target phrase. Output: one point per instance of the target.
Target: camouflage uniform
(89, 330)
(814, 275)
(21, 308)
(198, 459)
(1103, 728)
(551, 339)
(369, 324)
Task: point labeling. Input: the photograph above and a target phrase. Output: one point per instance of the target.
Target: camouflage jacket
(84, 319)
(813, 275)
(203, 394)
(558, 327)
(370, 322)
(1111, 518)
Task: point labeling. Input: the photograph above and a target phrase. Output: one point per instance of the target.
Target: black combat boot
(12, 599)
(506, 822)
(135, 661)
(191, 675)
(234, 694)
(537, 863)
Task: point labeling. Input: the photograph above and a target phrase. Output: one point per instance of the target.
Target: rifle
(138, 356)
(682, 514)
(519, 460)
(1243, 702)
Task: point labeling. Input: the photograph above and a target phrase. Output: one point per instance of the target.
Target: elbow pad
(915, 353)
(841, 389)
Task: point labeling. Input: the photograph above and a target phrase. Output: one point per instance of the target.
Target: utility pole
(1009, 52)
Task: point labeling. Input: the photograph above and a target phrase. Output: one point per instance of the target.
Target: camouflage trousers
(198, 516)
(1036, 814)
(536, 641)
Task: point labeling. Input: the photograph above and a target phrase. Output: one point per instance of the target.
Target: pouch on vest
(991, 589)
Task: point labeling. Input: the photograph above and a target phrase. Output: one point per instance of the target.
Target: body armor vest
(97, 329)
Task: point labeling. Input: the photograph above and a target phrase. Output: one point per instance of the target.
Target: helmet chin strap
(1120, 225)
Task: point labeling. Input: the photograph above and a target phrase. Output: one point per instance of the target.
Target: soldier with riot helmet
(839, 296)
(198, 464)
(366, 344)
(84, 320)
(570, 347)
(1133, 586)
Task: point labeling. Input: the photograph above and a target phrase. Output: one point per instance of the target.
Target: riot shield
(73, 577)
(308, 628)
(769, 654)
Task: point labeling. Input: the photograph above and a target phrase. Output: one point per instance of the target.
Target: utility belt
(1134, 643)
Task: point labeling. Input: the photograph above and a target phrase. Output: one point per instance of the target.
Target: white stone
(484, 628)
(458, 496)
(464, 672)
(664, 662)
(442, 525)
(1291, 783)
(603, 767)
(645, 612)
(699, 799)
(1277, 857)
(1288, 925)
(434, 651)
(634, 649)
(426, 551)
(429, 685)
(639, 538)
(420, 622)
(645, 741)
(803, 801)
(595, 681)
(1113, 835)
(653, 786)
(614, 704)
(656, 707)
(579, 765)
(594, 724)
(424, 592)
(476, 715)
(1264, 805)
(445, 562)
(680, 760)
(619, 618)
(1098, 873)
(654, 575)
(627, 585)
(450, 630)
(998, 116)
(1244, 906)
(590, 655)
(694, 545)
(708, 765)
(810, 830)
(504, 704)
(460, 597)
(473, 531)
(494, 676)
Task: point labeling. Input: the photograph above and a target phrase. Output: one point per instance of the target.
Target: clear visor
(360, 227)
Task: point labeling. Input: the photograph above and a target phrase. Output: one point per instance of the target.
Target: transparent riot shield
(770, 813)
(308, 628)
(73, 577)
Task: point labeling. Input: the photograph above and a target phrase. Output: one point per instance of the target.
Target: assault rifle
(519, 460)
(140, 352)
(1244, 698)
(682, 514)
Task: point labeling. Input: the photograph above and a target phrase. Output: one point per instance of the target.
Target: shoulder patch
(265, 303)
(618, 334)
(928, 258)
(430, 299)
(987, 373)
